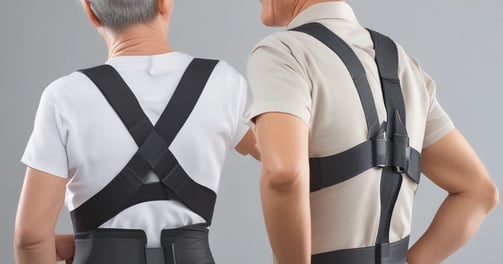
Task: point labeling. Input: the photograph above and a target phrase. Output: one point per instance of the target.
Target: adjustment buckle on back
(381, 147)
(394, 152)
(404, 158)
(381, 150)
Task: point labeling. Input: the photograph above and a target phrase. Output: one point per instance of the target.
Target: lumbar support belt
(387, 147)
(184, 245)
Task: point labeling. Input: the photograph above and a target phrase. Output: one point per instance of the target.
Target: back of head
(117, 15)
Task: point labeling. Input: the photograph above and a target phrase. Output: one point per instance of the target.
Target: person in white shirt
(80, 143)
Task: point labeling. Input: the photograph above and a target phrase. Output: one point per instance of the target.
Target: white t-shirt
(78, 135)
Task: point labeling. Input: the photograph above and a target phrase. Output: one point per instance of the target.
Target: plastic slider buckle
(381, 152)
(401, 152)
(381, 147)
(405, 159)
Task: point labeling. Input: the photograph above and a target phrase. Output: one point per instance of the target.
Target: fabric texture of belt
(185, 245)
(387, 253)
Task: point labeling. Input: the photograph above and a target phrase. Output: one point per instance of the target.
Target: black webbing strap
(128, 187)
(392, 253)
(378, 150)
(354, 66)
(405, 158)
(386, 57)
(387, 148)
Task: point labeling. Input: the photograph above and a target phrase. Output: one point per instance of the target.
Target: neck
(304, 4)
(137, 41)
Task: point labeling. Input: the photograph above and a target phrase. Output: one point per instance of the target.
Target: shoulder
(405, 60)
(225, 75)
(278, 50)
(67, 85)
(224, 68)
(70, 91)
(283, 40)
(410, 68)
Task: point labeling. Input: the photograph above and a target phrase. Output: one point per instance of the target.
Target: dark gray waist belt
(389, 253)
(185, 245)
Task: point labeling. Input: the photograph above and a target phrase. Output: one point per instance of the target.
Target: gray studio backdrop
(457, 41)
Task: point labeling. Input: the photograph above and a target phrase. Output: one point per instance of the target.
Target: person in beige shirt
(306, 107)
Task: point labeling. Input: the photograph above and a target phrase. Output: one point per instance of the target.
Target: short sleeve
(243, 110)
(46, 149)
(438, 122)
(278, 82)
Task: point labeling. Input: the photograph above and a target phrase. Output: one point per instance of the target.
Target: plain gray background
(458, 42)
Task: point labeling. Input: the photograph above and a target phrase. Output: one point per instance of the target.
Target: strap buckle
(393, 152)
(381, 147)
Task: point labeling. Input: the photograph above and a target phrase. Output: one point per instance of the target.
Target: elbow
(492, 196)
(27, 239)
(282, 177)
(487, 195)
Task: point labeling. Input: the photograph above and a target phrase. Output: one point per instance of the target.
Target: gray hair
(117, 15)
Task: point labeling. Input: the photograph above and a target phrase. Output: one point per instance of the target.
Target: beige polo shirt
(291, 72)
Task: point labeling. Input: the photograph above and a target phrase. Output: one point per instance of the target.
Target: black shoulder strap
(186, 95)
(386, 57)
(121, 98)
(387, 63)
(128, 187)
(354, 66)
(388, 148)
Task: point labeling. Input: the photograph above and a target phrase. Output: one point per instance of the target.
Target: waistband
(386, 253)
(186, 245)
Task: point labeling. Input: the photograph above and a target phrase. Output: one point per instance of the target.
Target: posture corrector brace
(182, 246)
(387, 147)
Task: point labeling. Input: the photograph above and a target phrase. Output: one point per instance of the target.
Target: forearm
(456, 221)
(40, 252)
(287, 218)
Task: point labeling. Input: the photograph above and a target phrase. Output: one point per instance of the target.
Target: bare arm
(283, 142)
(248, 145)
(41, 200)
(453, 165)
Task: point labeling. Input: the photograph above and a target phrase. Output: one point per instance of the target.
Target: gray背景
(457, 42)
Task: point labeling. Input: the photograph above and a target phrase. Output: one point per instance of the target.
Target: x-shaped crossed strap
(153, 154)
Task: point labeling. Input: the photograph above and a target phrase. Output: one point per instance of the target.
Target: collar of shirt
(153, 64)
(324, 10)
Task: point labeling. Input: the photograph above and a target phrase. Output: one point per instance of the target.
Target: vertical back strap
(386, 57)
(354, 66)
(387, 63)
